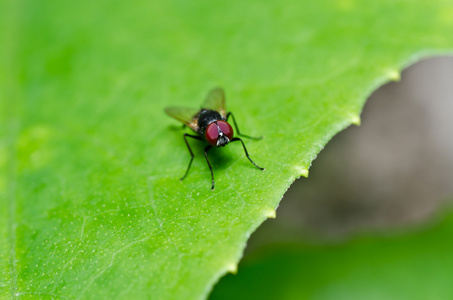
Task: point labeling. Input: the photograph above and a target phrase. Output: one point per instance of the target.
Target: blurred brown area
(393, 171)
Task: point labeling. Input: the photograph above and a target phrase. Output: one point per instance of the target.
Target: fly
(211, 124)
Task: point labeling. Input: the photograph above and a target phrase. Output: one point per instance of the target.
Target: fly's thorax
(206, 117)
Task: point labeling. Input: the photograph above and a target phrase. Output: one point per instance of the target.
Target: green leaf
(91, 202)
(415, 264)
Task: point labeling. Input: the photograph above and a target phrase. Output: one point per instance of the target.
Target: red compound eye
(226, 129)
(211, 134)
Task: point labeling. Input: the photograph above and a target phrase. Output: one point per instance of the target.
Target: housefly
(211, 124)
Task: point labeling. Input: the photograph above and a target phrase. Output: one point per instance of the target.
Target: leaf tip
(355, 119)
(232, 268)
(394, 75)
(301, 171)
(271, 213)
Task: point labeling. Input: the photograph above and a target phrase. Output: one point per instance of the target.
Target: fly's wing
(216, 101)
(186, 115)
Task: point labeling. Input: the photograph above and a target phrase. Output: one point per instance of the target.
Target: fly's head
(219, 133)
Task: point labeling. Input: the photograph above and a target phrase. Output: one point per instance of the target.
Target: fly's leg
(237, 129)
(190, 151)
(209, 165)
(246, 153)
